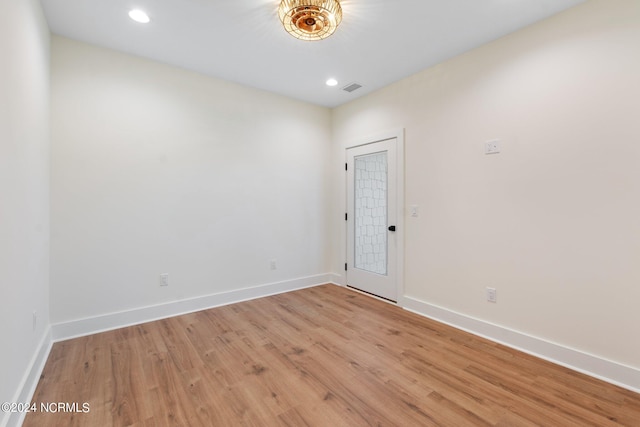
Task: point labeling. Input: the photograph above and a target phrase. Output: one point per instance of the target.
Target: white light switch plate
(492, 295)
(164, 279)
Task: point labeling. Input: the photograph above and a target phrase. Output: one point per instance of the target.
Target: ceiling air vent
(351, 87)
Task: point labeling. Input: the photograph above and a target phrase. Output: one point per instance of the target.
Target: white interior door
(371, 218)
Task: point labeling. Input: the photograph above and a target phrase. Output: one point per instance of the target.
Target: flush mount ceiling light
(310, 19)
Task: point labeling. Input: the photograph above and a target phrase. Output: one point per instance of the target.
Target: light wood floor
(324, 356)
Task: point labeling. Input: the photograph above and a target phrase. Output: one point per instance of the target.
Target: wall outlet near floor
(492, 295)
(492, 147)
(164, 279)
(273, 264)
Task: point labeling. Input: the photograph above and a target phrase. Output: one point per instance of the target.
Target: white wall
(161, 170)
(24, 192)
(552, 222)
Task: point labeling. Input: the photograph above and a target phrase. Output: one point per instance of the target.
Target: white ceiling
(378, 42)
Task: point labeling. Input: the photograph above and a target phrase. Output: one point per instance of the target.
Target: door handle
(392, 228)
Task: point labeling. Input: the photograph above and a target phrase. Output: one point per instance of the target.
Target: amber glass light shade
(310, 19)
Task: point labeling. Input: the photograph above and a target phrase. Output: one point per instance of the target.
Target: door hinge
(346, 166)
(346, 215)
(345, 266)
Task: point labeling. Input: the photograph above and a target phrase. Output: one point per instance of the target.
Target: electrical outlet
(414, 210)
(492, 147)
(273, 264)
(492, 295)
(164, 279)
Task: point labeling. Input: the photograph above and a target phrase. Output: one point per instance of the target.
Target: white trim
(105, 322)
(30, 380)
(594, 366)
(400, 222)
(377, 137)
(337, 279)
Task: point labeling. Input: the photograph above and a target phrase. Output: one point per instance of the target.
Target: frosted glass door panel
(370, 191)
(372, 208)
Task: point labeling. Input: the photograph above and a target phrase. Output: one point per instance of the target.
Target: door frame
(398, 134)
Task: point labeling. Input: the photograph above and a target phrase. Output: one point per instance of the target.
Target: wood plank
(320, 356)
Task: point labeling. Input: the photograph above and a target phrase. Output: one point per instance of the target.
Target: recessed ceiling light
(139, 16)
(332, 82)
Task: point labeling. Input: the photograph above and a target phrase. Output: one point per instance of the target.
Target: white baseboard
(30, 380)
(337, 279)
(606, 370)
(105, 322)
